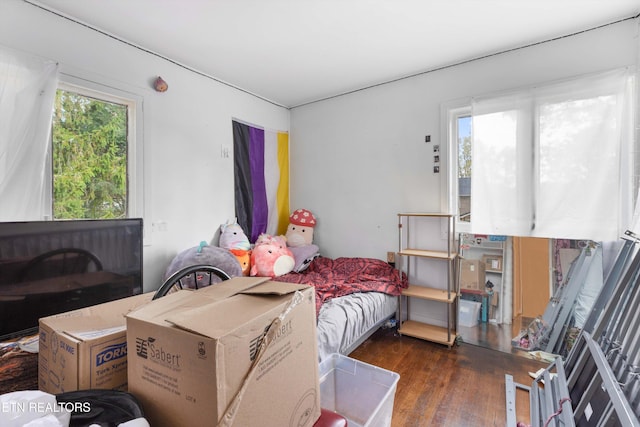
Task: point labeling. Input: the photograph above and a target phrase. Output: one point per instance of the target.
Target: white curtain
(553, 161)
(27, 92)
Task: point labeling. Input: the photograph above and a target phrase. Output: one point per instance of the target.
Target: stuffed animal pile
(273, 256)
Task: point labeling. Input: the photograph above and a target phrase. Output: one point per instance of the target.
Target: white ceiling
(293, 52)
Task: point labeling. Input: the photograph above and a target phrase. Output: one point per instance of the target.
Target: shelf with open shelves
(441, 293)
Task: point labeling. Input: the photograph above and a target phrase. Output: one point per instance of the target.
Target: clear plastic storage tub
(360, 392)
(469, 313)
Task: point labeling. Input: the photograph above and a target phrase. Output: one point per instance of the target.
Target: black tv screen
(50, 267)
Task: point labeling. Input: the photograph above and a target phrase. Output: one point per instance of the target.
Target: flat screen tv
(51, 267)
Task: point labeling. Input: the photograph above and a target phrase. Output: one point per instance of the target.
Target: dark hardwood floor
(490, 335)
(439, 386)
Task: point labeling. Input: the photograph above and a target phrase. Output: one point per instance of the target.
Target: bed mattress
(345, 322)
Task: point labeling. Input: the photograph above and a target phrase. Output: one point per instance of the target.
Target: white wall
(188, 186)
(359, 159)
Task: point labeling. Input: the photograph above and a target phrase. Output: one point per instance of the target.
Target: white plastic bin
(469, 313)
(360, 392)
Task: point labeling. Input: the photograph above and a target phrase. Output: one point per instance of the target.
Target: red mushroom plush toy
(300, 238)
(300, 229)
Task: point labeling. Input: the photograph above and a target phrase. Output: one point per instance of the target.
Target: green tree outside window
(89, 158)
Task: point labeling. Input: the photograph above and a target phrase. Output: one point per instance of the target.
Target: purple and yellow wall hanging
(261, 172)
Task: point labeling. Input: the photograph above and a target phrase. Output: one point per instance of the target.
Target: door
(531, 279)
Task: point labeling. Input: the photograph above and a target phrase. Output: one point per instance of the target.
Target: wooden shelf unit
(447, 294)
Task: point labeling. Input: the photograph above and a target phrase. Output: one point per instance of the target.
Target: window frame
(450, 113)
(135, 170)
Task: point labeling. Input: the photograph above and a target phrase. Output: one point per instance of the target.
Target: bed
(354, 297)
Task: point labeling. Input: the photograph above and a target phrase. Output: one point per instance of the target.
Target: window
(463, 139)
(458, 156)
(89, 160)
(93, 154)
(550, 161)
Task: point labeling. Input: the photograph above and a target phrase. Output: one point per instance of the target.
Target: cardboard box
(245, 347)
(492, 262)
(86, 348)
(494, 298)
(493, 305)
(472, 274)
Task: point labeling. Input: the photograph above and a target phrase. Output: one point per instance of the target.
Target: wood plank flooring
(439, 386)
(489, 335)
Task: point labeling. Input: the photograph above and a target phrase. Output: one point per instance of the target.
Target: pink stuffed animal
(270, 257)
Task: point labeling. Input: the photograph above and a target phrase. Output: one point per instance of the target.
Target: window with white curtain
(554, 160)
(31, 187)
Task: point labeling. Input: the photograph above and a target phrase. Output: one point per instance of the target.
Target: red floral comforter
(343, 276)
